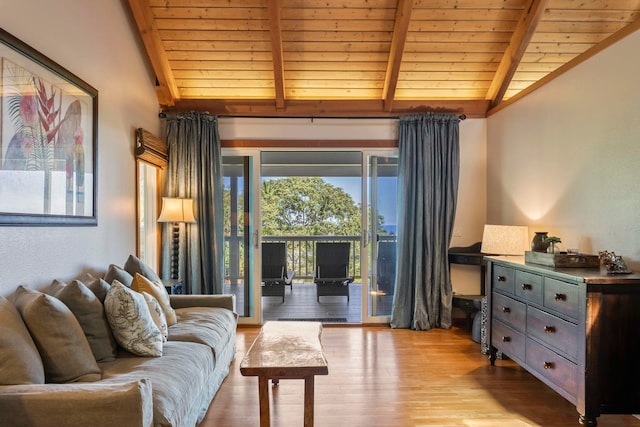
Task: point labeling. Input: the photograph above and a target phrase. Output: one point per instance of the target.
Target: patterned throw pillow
(131, 321)
(157, 315)
(159, 292)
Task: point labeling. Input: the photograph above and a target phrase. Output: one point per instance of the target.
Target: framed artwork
(48, 140)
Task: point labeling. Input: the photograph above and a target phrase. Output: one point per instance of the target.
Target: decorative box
(562, 260)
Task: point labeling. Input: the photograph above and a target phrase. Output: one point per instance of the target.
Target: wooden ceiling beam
(157, 55)
(329, 108)
(517, 46)
(277, 51)
(400, 30)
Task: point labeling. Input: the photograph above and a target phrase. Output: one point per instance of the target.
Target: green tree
(307, 206)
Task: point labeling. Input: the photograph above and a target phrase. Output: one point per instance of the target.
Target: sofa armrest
(98, 404)
(227, 301)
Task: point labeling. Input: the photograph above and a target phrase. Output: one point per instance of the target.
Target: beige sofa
(174, 389)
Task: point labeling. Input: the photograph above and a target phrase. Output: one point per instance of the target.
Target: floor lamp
(176, 210)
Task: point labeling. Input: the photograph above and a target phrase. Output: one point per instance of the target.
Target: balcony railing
(300, 254)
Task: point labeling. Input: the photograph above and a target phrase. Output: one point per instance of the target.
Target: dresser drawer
(552, 366)
(502, 278)
(508, 340)
(509, 311)
(561, 297)
(557, 333)
(529, 286)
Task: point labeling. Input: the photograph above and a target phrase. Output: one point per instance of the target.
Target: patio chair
(331, 275)
(274, 270)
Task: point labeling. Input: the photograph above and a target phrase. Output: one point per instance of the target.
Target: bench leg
(308, 401)
(263, 394)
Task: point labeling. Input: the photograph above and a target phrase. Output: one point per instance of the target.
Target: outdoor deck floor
(300, 303)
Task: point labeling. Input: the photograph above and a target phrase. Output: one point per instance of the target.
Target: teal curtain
(195, 171)
(428, 171)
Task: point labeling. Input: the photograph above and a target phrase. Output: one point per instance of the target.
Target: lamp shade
(505, 239)
(176, 210)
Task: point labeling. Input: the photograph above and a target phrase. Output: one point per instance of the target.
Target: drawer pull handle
(502, 278)
(526, 287)
(560, 297)
(506, 339)
(549, 329)
(506, 310)
(548, 365)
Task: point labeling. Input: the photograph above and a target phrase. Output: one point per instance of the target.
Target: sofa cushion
(157, 315)
(118, 273)
(85, 305)
(131, 321)
(212, 326)
(178, 379)
(135, 265)
(142, 284)
(64, 349)
(20, 362)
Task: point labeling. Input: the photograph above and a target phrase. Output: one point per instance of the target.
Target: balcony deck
(300, 304)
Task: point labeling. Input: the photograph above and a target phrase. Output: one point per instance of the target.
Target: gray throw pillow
(90, 314)
(98, 286)
(20, 362)
(64, 349)
(118, 273)
(135, 265)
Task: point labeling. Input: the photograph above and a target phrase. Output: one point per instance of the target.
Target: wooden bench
(286, 350)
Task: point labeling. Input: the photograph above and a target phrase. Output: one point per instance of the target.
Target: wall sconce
(505, 239)
(176, 210)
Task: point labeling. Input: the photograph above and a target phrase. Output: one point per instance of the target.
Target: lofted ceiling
(368, 58)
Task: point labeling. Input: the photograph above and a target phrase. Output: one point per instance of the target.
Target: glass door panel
(239, 255)
(382, 192)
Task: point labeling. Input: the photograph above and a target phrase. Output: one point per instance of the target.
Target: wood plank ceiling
(368, 58)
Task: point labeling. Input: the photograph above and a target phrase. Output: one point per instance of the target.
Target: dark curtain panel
(428, 170)
(195, 171)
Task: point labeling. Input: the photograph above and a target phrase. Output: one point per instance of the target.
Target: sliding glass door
(302, 198)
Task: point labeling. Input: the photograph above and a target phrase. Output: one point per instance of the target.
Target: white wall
(471, 211)
(94, 40)
(566, 158)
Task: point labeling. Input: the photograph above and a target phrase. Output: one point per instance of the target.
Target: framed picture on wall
(48, 140)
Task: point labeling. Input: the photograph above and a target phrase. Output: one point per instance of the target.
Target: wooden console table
(469, 255)
(286, 350)
(575, 329)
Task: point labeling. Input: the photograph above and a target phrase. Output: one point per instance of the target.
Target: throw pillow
(159, 292)
(98, 286)
(118, 273)
(20, 362)
(135, 265)
(157, 315)
(90, 314)
(64, 349)
(131, 321)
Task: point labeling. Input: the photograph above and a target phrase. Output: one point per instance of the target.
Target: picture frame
(48, 141)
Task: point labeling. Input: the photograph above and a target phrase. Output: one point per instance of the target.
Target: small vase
(538, 243)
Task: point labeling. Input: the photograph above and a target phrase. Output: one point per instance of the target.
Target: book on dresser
(575, 329)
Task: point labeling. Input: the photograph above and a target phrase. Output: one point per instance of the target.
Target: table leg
(263, 394)
(308, 401)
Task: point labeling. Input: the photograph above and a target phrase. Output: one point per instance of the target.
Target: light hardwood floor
(384, 377)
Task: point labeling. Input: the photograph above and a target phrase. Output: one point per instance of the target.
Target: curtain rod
(163, 115)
